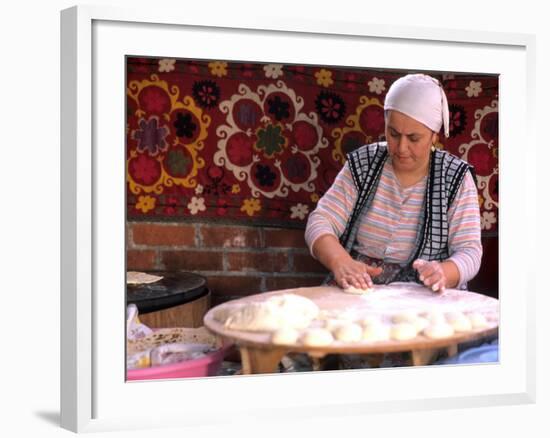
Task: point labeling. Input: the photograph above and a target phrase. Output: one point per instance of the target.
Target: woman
(401, 210)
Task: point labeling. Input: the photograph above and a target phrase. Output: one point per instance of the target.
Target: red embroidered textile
(242, 142)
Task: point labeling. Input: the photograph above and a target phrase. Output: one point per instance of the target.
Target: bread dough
(420, 323)
(376, 332)
(434, 316)
(358, 291)
(370, 320)
(285, 336)
(478, 320)
(403, 331)
(334, 324)
(317, 337)
(405, 316)
(349, 333)
(278, 311)
(438, 330)
(459, 321)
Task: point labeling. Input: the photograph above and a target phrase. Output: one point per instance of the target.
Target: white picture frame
(94, 41)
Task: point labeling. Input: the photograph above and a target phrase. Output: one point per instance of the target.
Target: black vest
(444, 179)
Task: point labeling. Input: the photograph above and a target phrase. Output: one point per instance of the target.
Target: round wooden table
(260, 355)
(179, 299)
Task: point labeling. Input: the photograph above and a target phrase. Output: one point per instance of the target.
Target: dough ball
(420, 323)
(439, 330)
(434, 316)
(376, 332)
(406, 316)
(459, 321)
(370, 320)
(478, 320)
(403, 331)
(358, 291)
(334, 324)
(285, 336)
(317, 337)
(349, 333)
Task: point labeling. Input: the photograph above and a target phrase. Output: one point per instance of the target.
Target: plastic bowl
(209, 365)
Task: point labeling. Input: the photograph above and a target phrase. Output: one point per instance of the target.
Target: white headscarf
(422, 98)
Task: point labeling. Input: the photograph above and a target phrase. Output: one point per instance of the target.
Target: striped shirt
(388, 230)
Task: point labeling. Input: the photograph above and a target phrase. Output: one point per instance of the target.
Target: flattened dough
(278, 311)
(358, 291)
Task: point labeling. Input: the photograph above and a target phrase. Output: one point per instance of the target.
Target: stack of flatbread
(133, 277)
(176, 335)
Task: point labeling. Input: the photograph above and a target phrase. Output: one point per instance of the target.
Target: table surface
(384, 302)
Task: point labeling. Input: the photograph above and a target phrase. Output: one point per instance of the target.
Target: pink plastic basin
(208, 365)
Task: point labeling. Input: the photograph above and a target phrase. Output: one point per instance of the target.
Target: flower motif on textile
(184, 125)
(206, 93)
(324, 77)
(480, 153)
(196, 205)
(487, 220)
(251, 206)
(457, 119)
(377, 85)
(273, 71)
(145, 170)
(473, 89)
(314, 197)
(365, 126)
(167, 127)
(199, 189)
(265, 176)
(218, 68)
(150, 136)
(330, 107)
(171, 206)
(268, 141)
(235, 189)
(299, 211)
(278, 108)
(166, 65)
(145, 203)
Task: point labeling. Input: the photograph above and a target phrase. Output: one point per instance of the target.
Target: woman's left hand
(431, 274)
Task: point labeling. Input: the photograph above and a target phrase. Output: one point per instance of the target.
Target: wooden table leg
(423, 357)
(258, 361)
(452, 350)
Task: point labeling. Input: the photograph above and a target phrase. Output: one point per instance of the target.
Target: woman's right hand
(349, 272)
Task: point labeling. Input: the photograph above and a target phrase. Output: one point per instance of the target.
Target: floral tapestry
(261, 143)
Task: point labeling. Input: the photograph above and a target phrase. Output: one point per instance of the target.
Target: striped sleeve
(333, 209)
(465, 231)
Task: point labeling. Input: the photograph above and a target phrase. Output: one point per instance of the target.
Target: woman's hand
(432, 274)
(349, 272)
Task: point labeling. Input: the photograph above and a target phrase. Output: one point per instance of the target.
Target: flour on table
(358, 291)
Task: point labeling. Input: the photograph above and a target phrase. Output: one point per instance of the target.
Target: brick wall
(236, 260)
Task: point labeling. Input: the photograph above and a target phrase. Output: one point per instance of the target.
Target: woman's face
(409, 142)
